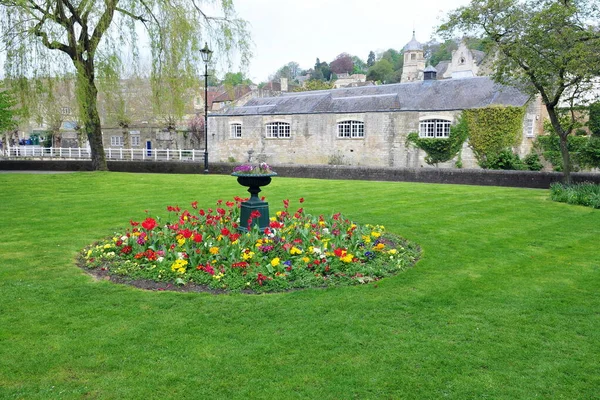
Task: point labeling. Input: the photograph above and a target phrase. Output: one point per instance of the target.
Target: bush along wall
(441, 149)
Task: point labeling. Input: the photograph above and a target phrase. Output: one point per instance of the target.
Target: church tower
(414, 61)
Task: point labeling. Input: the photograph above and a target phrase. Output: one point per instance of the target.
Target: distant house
(362, 125)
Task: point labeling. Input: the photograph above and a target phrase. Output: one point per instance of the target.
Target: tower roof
(413, 45)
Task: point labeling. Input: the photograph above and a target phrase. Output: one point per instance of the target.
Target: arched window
(350, 129)
(434, 128)
(280, 130)
(236, 130)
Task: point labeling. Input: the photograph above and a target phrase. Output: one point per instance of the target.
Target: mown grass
(504, 303)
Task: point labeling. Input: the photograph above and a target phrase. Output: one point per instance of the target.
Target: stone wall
(525, 179)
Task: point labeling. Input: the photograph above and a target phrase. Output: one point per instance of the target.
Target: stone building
(414, 61)
(360, 125)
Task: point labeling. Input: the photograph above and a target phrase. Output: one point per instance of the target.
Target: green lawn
(504, 303)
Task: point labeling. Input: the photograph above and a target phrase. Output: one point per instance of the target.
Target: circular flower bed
(204, 249)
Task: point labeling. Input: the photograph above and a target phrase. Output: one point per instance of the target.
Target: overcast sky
(301, 31)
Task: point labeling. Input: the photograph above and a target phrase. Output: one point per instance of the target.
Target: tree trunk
(566, 157)
(564, 150)
(88, 102)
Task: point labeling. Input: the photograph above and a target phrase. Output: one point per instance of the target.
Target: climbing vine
(441, 149)
(493, 129)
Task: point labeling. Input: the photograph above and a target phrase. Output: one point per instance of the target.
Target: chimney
(284, 84)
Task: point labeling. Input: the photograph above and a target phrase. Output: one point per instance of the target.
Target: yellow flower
(275, 261)
(107, 246)
(375, 234)
(278, 213)
(305, 259)
(179, 266)
(366, 238)
(392, 251)
(247, 255)
(347, 258)
(321, 223)
(294, 250)
(214, 250)
(181, 241)
(379, 246)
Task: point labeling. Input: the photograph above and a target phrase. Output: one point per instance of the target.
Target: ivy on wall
(493, 129)
(441, 149)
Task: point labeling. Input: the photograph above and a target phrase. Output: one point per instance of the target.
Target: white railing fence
(76, 153)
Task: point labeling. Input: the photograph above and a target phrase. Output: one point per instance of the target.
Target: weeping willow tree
(94, 39)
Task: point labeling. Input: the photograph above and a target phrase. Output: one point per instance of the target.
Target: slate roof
(433, 95)
(413, 45)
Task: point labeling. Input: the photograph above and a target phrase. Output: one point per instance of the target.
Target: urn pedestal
(248, 208)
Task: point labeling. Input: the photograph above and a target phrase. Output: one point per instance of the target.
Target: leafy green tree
(382, 71)
(360, 67)
(92, 37)
(235, 79)
(548, 47)
(436, 52)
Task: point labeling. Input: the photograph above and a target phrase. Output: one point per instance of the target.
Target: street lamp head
(206, 53)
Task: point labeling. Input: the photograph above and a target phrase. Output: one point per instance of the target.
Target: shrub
(584, 194)
(506, 160)
(533, 163)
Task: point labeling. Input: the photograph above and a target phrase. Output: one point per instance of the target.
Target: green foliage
(583, 194)
(594, 118)
(505, 160)
(549, 146)
(7, 111)
(533, 162)
(436, 52)
(314, 84)
(590, 153)
(235, 79)
(493, 129)
(441, 149)
(381, 71)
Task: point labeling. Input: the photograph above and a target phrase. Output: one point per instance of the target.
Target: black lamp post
(206, 56)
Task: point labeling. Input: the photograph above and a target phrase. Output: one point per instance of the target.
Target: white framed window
(236, 130)
(529, 126)
(350, 129)
(434, 128)
(134, 138)
(280, 130)
(116, 141)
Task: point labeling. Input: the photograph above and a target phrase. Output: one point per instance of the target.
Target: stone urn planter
(254, 205)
